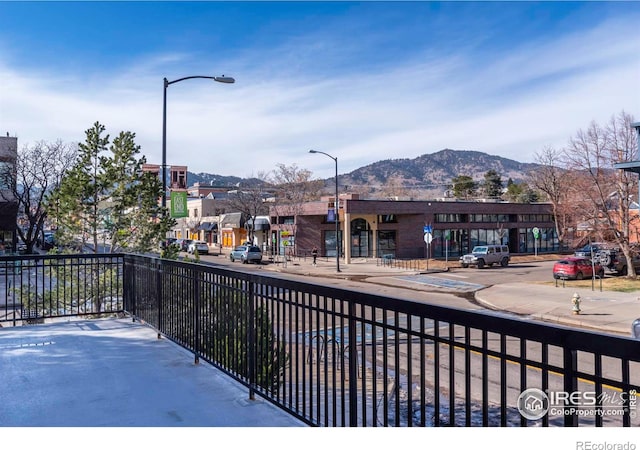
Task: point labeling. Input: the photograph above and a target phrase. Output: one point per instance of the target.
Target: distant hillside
(211, 180)
(430, 174)
(426, 176)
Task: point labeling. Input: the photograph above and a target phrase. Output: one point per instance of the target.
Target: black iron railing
(407, 264)
(38, 287)
(335, 357)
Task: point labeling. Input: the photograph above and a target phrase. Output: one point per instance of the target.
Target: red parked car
(576, 268)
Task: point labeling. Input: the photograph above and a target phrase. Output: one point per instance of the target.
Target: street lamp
(337, 211)
(221, 79)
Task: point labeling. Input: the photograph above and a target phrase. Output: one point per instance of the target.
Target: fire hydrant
(576, 303)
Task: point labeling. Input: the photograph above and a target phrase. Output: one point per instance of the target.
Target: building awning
(261, 223)
(633, 166)
(208, 226)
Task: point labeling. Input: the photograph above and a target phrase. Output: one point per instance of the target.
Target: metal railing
(38, 287)
(408, 264)
(336, 357)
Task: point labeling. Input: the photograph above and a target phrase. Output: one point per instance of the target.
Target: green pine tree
(106, 194)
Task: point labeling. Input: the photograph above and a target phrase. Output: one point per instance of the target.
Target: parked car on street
(246, 254)
(609, 257)
(592, 249)
(47, 241)
(21, 247)
(200, 246)
(615, 263)
(576, 268)
(486, 255)
(183, 244)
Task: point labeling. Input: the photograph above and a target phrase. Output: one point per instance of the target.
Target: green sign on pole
(179, 204)
(536, 232)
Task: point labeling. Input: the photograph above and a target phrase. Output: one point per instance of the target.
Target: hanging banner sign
(179, 204)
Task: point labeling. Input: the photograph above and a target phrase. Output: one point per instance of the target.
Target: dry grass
(613, 283)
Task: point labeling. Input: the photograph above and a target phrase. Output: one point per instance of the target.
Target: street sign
(428, 237)
(536, 232)
(427, 229)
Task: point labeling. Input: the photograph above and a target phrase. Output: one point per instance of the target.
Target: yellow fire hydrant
(576, 303)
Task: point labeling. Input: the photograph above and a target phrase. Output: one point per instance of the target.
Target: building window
(450, 218)
(330, 243)
(387, 218)
(488, 236)
(535, 218)
(387, 244)
(7, 170)
(489, 218)
(283, 220)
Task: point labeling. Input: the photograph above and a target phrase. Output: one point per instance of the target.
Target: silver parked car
(246, 254)
(201, 246)
(486, 255)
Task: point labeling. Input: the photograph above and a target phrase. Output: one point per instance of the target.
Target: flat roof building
(390, 228)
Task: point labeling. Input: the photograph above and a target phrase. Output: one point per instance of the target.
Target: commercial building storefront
(377, 228)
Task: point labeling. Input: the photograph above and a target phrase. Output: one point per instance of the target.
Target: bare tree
(249, 199)
(604, 194)
(555, 182)
(38, 171)
(294, 187)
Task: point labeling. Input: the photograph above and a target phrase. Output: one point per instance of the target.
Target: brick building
(8, 204)
(377, 228)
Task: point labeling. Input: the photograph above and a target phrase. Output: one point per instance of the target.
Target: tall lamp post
(221, 79)
(337, 210)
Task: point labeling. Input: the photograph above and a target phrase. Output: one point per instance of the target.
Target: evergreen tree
(492, 184)
(106, 194)
(463, 187)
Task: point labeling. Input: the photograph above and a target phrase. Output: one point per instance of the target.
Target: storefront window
(330, 242)
(387, 244)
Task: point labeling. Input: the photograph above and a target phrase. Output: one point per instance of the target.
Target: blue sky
(361, 81)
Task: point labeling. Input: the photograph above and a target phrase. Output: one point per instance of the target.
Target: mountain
(427, 176)
(208, 179)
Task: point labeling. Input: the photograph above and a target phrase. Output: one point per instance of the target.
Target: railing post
(570, 383)
(160, 291)
(251, 342)
(196, 317)
(353, 367)
(129, 287)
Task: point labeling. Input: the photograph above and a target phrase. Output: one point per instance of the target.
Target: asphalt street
(525, 289)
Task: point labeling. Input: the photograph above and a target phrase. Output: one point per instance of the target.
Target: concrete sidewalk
(606, 311)
(117, 373)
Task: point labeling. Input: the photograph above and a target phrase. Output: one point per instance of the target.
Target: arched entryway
(361, 241)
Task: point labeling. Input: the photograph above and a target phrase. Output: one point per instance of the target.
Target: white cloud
(538, 94)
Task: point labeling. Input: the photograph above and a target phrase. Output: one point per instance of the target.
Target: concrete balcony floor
(117, 373)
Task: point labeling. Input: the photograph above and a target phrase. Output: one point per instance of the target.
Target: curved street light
(166, 84)
(337, 210)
